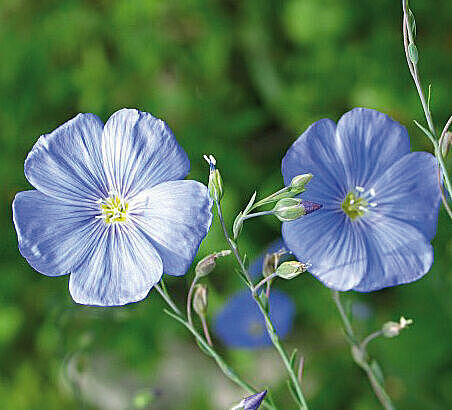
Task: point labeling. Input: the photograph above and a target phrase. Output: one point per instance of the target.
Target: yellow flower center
(113, 209)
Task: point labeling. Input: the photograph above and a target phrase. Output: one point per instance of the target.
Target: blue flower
(380, 203)
(240, 324)
(109, 207)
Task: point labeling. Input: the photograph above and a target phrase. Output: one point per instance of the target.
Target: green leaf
(238, 225)
(293, 358)
(412, 53)
(250, 204)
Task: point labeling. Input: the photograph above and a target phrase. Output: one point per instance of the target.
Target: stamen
(359, 188)
(113, 209)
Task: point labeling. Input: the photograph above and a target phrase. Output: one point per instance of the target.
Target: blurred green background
(241, 80)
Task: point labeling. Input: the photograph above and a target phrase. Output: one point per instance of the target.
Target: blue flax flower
(109, 207)
(240, 324)
(380, 202)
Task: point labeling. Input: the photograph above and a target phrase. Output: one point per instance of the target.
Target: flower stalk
(269, 325)
(176, 314)
(360, 356)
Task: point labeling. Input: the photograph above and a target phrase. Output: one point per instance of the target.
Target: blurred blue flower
(240, 324)
(109, 207)
(380, 202)
(255, 268)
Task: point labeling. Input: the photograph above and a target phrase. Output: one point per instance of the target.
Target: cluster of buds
(392, 329)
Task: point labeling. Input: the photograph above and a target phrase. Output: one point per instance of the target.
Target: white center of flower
(113, 209)
(357, 202)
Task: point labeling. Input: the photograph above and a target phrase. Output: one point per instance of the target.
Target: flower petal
(397, 253)
(409, 191)
(53, 235)
(332, 244)
(120, 269)
(176, 216)
(67, 163)
(140, 151)
(370, 142)
(316, 151)
(241, 324)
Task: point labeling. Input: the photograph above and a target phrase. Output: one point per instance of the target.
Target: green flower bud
(215, 181)
(143, 399)
(392, 329)
(207, 264)
(200, 300)
(299, 182)
(291, 269)
(288, 209)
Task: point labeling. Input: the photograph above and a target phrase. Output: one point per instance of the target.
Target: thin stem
(263, 213)
(369, 338)
(228, 371)
(270, 328)
(189, 300)
(361, 358)
(166, 297)
(233, 246)
(205, 329)
(263, 281)
(408, 39)
(270, 198)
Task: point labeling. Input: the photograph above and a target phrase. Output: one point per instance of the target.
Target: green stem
(225, 368)
(359, 355)
(270, 328)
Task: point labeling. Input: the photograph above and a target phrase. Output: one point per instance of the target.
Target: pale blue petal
(370, 142)
(53, 235)
(176, 216)
(120, 269)
(409, 191)
(397, 253)
(67, 163)
(316, 151)
(140, 151)
(332, 244)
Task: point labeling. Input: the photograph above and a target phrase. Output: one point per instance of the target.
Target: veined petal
(409, 191)
(397, 253)
(140, 151)
(370, 142)
(120, 269)
(316, 152)
(176, 216)
(67, 163)
(332, 244)
(53, 235)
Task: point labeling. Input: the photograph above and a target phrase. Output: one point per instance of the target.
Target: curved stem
(189, 300)
(361, 358)
(225, 368)
(263, 213)
(264, 281)
(205, 329)
(369, 338)
(270, 328)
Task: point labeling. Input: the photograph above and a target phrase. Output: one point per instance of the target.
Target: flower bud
(299, 182)
(291, 269)
(215, 181)
(445, 144)
(207, 264)
(392, 329)
(271, 261)
(253, 402)
(200, 300)
(289, 209)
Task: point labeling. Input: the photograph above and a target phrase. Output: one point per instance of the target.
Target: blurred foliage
(241, 80)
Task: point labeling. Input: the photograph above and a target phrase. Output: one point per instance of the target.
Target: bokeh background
(241, 80)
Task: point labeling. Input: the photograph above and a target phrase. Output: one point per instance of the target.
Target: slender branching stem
(205, 329)
(263, 213)
(264, 281)
(270, 328)
(360, 355)
(175, 313)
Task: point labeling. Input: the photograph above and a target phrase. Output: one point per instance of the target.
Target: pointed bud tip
(310, 206)
(253, 402)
